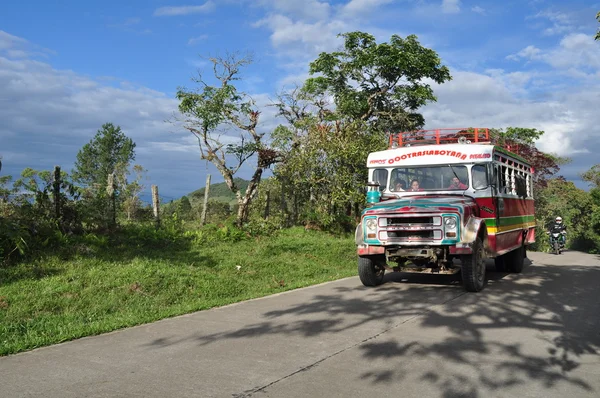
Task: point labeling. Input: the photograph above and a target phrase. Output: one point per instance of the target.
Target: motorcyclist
(561, 228)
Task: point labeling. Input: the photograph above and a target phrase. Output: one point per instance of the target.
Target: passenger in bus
(414, 185)
(456, 184)
(399, 186)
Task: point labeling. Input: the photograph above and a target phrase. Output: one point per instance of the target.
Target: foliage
(592, 176)
(131, 192)
(110, 151)
(210, 108)
(598, 32)
(575, 206)
(379, 84)
(184, 208)
(140, 274)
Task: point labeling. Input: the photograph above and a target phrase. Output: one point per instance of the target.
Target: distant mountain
(219, 192)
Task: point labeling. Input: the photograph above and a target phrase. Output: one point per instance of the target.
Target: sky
(68, 67)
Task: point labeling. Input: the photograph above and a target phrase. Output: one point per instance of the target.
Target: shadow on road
(559, 305)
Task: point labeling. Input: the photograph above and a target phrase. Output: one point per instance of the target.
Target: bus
(436, 196)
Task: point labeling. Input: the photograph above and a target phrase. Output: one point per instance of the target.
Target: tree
(110, 151)
(322, 170)
(380, 84)
(598, 32)
(575, 206)
(132, 190)
(592, 176)
(184, 208)
(222, 106)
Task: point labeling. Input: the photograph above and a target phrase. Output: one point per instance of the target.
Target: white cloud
(568, 117)
(196, 40)
(575, 50)
(361, 7)
(450, 6)
(49, 114)
(184, 10)
(309, 9)
(301, 38)
(478, 10)
(561, 22)
(529, 52)
(9, 41)
(18, 47)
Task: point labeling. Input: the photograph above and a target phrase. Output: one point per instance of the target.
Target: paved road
(535, 335)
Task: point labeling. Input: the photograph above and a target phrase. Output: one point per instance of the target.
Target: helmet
(558, 219)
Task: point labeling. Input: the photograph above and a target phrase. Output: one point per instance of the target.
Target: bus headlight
(450, 222)
(371, 224)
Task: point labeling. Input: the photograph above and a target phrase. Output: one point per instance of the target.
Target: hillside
(220, 191)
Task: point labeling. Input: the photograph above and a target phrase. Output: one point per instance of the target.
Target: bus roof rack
(469, 135)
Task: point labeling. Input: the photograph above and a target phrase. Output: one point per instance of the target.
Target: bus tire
(371, 270)
(473, 268)
(500, 263)
(516, 260)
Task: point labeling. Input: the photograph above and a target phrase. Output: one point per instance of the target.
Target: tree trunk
(267, 205)
(56, 193)
(244, 202)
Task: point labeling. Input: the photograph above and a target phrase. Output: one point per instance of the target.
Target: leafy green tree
(592, 176)
(110, 151)
(184, 208)
(380, 84)
(132, 190)
(598, 32)
(575, 206)
(214, 107)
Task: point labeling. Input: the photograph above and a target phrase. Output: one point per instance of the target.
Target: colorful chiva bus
(436, 196)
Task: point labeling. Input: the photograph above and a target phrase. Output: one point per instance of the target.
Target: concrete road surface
(536, 334)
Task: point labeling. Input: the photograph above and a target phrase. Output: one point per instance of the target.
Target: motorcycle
(556, 242)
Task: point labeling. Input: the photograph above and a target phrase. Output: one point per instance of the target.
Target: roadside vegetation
(97, 283)
(81, 253)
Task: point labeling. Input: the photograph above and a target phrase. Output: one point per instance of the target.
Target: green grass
(103, 284)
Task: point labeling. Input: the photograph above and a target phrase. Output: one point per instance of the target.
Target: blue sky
(67, 67)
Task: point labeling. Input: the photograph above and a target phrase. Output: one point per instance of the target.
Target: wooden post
(155, 205)
(283, 203)
(205, 204)
(56, 192)
(110, 189)
(267, 206)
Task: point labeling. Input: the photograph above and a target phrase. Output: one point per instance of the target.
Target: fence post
(110, 189)
(205, 204)
(56, 193)
(155, 205)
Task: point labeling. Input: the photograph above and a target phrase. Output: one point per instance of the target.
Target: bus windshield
(429, 178)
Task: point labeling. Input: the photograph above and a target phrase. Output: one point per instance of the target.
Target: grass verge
(102, 284)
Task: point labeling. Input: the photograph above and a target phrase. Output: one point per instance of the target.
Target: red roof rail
(478, 135)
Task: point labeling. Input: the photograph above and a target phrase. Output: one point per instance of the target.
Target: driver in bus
(399, 186)
(456, 184)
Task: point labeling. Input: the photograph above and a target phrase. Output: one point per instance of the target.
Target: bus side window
(380, 176)
(521, 186)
